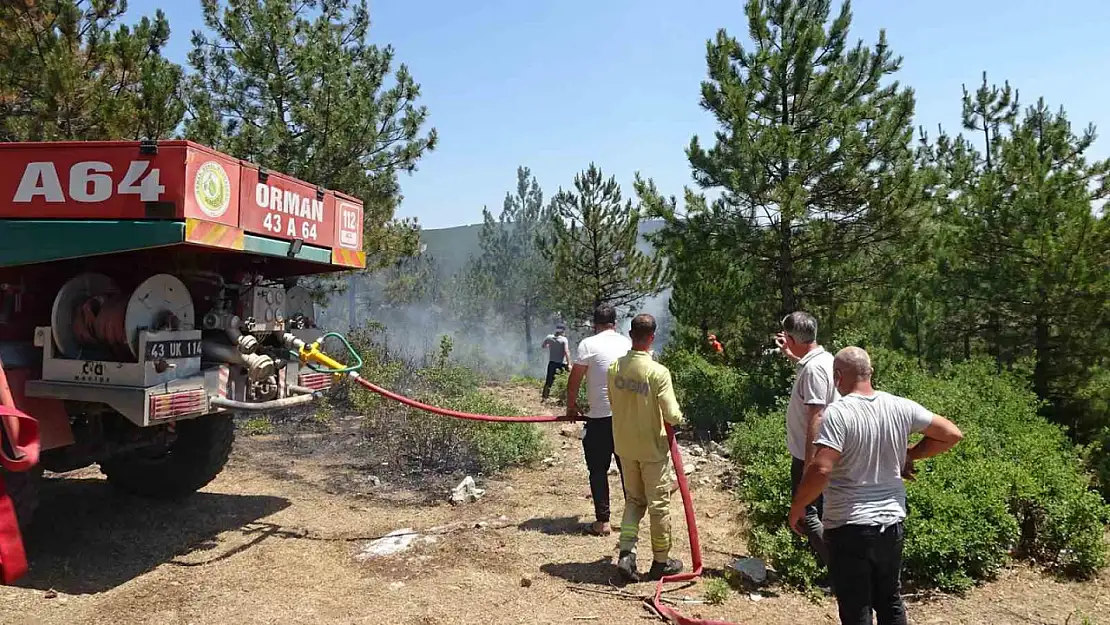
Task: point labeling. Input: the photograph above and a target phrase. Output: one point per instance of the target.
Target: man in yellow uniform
(642, 400)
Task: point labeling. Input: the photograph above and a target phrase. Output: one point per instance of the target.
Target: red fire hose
(21, 433)
(683, 487)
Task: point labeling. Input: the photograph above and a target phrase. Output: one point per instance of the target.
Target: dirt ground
(274, 540)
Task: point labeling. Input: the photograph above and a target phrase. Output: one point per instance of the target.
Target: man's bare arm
(940, 436)
(814, 414)
(668, 404)
(814, 481)
(577, 372)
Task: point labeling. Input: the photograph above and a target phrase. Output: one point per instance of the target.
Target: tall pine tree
(1029, 249)
(813, 159)
(510, 275)
(593, 248)
(296, 86)
(69, 70)
(710, 293)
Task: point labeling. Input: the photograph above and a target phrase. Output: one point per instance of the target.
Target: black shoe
(626, 564)
(661, 569)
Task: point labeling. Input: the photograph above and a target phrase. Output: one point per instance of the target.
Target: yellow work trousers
(647, 489)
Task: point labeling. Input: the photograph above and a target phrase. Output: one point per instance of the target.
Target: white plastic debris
(466, 492)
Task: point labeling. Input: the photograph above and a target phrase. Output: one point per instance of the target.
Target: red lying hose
(676, 458)
(22, 435)
(544, 418)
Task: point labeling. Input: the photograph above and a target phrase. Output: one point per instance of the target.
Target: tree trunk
(917, 332)
(530, 349)
(352, 302)
(1041, 369)
(786, 270)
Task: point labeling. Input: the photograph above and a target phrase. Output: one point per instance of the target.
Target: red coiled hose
(101, 321)
(676, 457)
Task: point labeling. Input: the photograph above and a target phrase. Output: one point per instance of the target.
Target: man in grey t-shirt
(860, 463)
(558, 356)
(813, 390)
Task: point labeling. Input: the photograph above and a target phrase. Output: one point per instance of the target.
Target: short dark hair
(605, 315)
(643, 326)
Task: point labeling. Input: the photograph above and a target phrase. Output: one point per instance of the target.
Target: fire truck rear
(149, 291)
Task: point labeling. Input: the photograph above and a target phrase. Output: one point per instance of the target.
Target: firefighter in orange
(715, 345)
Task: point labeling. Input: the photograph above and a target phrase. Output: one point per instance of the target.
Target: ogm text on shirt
(640, 387)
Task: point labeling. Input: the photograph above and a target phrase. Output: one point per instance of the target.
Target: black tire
(195, 457)
(23, 488)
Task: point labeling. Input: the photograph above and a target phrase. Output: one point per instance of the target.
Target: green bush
(1094, 401)
(559, 392)
(258, 425)
(711, 395)
(496, 446)
(1015, 487)
(526, 380)
(716, 591)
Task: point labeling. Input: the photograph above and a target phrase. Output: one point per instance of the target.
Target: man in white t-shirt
(595, 354)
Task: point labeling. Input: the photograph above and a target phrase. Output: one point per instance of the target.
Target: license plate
(166, 350)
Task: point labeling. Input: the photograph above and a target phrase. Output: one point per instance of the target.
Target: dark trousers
(865, 566)
(552, 369)
(598, 447)
(814, 530)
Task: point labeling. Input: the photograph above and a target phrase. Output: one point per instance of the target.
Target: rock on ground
(392, 543)
(466, 492)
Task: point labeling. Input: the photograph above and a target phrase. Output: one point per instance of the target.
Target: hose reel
(92, 315)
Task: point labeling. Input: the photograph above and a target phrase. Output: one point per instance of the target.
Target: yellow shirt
(642, 399)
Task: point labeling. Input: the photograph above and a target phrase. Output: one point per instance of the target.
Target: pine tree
(813, 158)
(1029, 248)
(593, 248)
(295, 86)
(412, 280)
(70, 71)
(709, 292)
(510, 275)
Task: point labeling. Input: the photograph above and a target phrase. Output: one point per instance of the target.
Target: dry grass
(268, 543)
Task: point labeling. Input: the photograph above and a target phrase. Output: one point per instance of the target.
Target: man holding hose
(643, 400)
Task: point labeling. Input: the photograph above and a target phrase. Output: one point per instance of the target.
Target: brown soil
(273, 540)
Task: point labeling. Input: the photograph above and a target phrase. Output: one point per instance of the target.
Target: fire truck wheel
(192, 460)
(23, 488)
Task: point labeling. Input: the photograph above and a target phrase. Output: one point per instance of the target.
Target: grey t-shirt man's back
(813, 386)
(558, 348)
(871, 433)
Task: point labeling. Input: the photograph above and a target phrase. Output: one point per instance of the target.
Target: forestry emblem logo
(212, 189)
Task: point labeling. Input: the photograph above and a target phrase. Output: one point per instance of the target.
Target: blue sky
(556, 84)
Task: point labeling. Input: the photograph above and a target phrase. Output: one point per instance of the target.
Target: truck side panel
(91, 180)
(286, 208)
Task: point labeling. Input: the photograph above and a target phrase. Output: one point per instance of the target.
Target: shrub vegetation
(431, 442)
(1014, 488)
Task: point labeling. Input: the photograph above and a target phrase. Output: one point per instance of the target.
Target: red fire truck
(148, 291)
